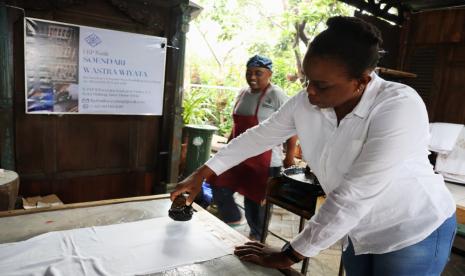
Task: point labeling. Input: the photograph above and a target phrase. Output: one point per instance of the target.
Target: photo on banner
(73, 69)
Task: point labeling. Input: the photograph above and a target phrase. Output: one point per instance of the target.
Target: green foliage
(260, 48)
(198, 107)
(223, 111)
(209, 106)
(313, 13)
(234, 30)
(282, 67)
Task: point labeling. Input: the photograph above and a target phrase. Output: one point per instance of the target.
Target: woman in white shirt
(366, 140)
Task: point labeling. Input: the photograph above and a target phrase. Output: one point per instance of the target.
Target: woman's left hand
(260, 254)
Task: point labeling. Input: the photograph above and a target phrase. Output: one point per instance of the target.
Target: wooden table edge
(81, 205)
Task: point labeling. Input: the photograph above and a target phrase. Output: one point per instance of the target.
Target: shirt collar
(371, 91)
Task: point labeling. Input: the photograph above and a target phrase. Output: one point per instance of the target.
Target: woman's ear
(365, 79)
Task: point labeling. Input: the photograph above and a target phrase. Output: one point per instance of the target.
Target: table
(18, 225)
(458, 193)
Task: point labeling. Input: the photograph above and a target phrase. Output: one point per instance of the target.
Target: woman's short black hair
(349, 40)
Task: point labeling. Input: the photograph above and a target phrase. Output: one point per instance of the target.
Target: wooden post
(172, 119)
(7, 160)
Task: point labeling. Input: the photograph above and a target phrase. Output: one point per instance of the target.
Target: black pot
(299, 187)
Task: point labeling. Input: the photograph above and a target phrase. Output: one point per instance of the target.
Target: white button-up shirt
(374, 168)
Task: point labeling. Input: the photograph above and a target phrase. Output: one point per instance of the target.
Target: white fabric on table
(140, 247)
(443, 136)
(452, 165)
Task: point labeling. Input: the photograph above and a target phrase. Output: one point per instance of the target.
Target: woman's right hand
(192, 184)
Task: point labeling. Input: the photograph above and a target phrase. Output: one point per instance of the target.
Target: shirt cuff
(303, 247)
(217, 165)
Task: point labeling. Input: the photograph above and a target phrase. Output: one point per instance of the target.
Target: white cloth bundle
(443, 136)
(452, 164)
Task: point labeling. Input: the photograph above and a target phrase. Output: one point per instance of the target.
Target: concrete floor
(286, 225)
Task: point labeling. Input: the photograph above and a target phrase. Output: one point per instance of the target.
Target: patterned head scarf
(260, 61)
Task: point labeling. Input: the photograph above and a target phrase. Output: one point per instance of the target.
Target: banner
(75, 69)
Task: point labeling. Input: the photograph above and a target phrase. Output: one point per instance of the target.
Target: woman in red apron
(249, 178)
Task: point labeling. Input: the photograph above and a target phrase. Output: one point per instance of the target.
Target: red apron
(249, 177)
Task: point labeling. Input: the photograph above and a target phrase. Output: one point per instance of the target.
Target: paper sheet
(134, 248)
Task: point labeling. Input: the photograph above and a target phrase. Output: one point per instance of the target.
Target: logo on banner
(93, 40)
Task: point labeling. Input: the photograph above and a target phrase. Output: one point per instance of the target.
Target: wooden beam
(376, 10)
(395, 73)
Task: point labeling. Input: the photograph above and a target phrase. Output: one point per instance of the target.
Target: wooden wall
(95, 157)
(434, 48)
(391, 40)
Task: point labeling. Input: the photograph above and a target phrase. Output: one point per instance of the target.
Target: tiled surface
(455, 266)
